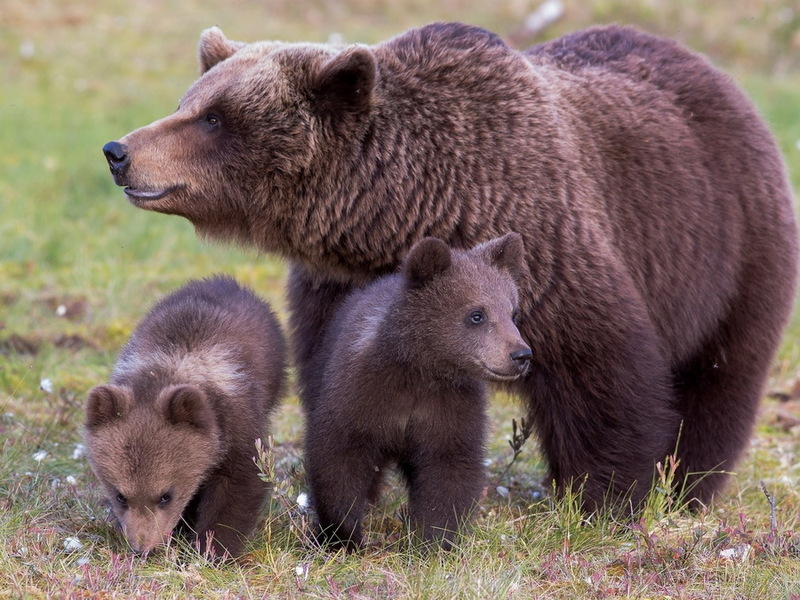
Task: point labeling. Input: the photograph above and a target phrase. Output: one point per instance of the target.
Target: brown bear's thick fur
(657, 218)
(401, 379)
(172, 436)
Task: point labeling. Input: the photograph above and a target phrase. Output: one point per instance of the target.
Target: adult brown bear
(658, 222)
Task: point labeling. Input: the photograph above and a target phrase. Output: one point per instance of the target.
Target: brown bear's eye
(515, 317)
(212, 119)
(476, 317)
(165, 499)
(122, 500)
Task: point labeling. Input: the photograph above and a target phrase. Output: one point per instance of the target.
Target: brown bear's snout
(117, 157)
(522, 358)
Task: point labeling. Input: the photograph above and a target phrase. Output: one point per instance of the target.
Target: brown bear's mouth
(142, 196)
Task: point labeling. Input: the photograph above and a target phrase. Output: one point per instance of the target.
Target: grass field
(79, 267)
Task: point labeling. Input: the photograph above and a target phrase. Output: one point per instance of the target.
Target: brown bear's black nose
(522, 356)
(116, 155)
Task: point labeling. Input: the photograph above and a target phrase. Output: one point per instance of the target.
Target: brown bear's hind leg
(720, 389)
(340, 477)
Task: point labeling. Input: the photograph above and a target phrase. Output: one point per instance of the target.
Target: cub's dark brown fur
(172, 436)
(402, 378)
(658, 223)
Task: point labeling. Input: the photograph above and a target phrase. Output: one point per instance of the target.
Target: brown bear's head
(246, 130)
(461, 308)
(151, 458)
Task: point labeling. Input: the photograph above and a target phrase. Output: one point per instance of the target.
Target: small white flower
(302, 500)
(502, 491)
(83, 560)
(61, 310)
(46, 385)
(39, 456)
(71, 480)
(78, 453)
(27, 49)
(739, 552)
(301, 570)
(71, 544)
(547, 13)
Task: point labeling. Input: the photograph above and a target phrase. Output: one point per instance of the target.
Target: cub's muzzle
(522, 358)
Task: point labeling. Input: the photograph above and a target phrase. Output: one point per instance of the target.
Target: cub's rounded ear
(214, 47)
(186, 405)
(344, 84)
(426, 259)
(105, 404)
(507, 252)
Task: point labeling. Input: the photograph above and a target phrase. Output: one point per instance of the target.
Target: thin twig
(517, 440)
(773, 522)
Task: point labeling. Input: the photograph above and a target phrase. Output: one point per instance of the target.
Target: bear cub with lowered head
(171, 437)
(402, 379)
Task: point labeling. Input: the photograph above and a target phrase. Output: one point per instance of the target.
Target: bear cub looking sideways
(402, 379)
(172, 436)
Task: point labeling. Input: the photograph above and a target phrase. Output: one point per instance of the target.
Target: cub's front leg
(446, 474)
(228, 507)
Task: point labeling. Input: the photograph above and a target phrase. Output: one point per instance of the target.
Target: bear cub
(171, 437)
(404, 381)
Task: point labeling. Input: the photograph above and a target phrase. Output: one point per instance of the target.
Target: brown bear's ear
(426, 259)
(507, 252)
(345, 82)
(215, 47)
(105, 404)
(186, 405)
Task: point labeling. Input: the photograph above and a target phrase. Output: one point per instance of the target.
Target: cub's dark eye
(122, 500)
(165, 499)
(476, 317)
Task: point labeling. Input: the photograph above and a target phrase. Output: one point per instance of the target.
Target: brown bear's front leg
(311, 305)
(601, 399)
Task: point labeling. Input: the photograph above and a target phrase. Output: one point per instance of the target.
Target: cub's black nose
(522, 355)
(116, 155)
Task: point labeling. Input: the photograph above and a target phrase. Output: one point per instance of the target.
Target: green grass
(79, 267)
